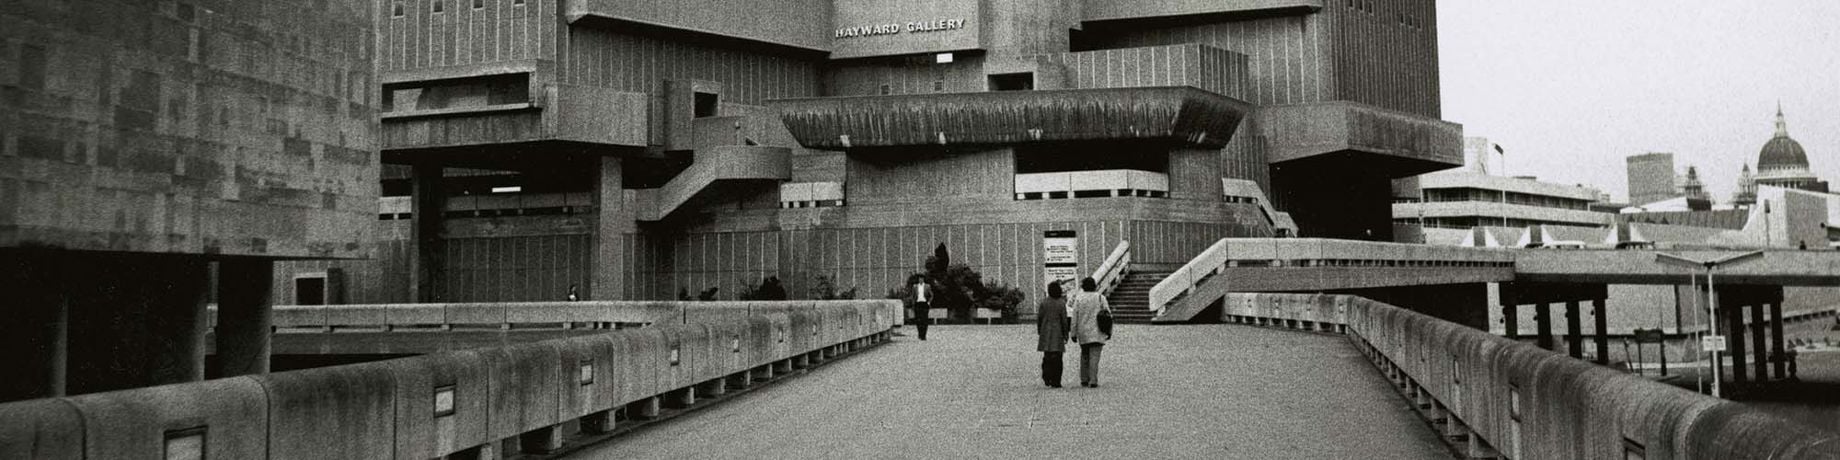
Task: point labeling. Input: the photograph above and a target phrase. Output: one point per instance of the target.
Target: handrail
(1184, 279)
(1111, 272)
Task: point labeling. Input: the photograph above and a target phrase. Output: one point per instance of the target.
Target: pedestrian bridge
(1229, 391)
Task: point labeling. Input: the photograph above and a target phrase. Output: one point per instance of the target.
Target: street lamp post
(1712, 301)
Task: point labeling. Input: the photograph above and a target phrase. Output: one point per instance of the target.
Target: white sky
(1570, 87)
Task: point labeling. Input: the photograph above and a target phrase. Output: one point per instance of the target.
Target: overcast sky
(1570, 87)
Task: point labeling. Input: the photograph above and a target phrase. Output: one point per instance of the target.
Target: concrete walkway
(1200, 391)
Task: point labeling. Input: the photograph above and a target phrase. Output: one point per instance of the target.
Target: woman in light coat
(1051, 330)
(1086, 306)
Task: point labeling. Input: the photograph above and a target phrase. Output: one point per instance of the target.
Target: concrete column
(33, 337)
(614, 227)
(1760, 352)
(1734, 325)
(428, 203)
(1510, 321)
(1574, 331)
(598, 422)
(1776, 340)
(643, 409)
(541, 441)
(1542, 320)
(245, 314)
(135, 321)
(1602, 329)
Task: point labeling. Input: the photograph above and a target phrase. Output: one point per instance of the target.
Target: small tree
(769, 289)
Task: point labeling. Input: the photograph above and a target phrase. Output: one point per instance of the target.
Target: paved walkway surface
(1195, 391)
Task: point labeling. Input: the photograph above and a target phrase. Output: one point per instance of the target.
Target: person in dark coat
(1051, 330)
(919, 300)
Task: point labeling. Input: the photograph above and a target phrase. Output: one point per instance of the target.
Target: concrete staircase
(1131, 299)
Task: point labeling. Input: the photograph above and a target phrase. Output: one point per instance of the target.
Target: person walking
(1051, 330)
(1086, 306)
(919, 296)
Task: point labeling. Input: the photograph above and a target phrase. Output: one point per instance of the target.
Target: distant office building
(639, 149)
(1453, 202)
(1783, 163)
(1482, 157)
(1651, 177)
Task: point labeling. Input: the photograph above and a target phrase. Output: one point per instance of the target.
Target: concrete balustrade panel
(647, 357)
(758, 345)
(133, 424)
(781, 336)
(576, 398)
(476, 314)
(698, 345)
(48, 429)
(1741, 432)
(422, 431)
(728, 342)
(341, 412)
(798, 332)
(553, 312)
(356, 316)
(624, 369)
(299, 317)
(415, 315)
(523, 386)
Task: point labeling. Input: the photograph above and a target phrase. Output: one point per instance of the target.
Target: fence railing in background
(1111, 272)
(1315, 252)
(1494, 397)
(465, 402)
(530, 315)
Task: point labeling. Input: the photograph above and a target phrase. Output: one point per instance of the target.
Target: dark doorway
(706, 104)
(310, 291)
(1012, 81)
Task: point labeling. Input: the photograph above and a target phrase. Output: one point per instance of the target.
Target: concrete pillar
(1574, 331)
(33, 336)
(541, 441)
(681, 398)
(643, 409)
(1759, 351)
(135, 321)
(615, 225)
(428, 205)
(1777, 347)
(1602, 329)
(1510, 321)
(1734, 325)
(245, 314)
(1542, 320)
(716, 387)
(598, 423)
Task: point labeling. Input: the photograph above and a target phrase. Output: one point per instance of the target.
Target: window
(705, 104)
(479, 4)
(886, 90)
(1012, 81)
(458, 93)
(517, 2)
(939, 86)
(396, 9)
(310, 290)
(438, 6)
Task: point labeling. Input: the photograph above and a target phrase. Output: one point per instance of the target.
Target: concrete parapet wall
(446, 403)
(1519, 401)
(526, 314)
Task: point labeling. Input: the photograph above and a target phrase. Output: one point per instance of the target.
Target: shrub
(769, 289)
(958, 288)
(823, 288)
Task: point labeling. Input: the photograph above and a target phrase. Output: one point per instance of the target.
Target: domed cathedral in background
(1783, 162)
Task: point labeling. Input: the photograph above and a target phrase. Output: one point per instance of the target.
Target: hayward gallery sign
(895, 28)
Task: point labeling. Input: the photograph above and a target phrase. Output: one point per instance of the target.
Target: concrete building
(1651, 177)
(145, 143)
(1454, 202)
(639, 149)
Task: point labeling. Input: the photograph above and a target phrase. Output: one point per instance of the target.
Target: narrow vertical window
(479, 4)
(439, 6)
(396, 9)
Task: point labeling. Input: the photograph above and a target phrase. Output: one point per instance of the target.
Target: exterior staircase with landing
(1131, 299)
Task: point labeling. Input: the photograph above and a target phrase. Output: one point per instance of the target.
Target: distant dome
(1781, 153)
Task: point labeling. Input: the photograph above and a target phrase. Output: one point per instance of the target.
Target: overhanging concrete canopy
(1410, 144)
(1779, 268)
(1181, 114)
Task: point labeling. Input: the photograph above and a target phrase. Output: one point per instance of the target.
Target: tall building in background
(1651, 177)
(1783, 163)
(642, 149)
(1747, 187)
(143, 143)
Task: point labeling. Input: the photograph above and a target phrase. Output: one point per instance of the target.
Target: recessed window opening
(458, 93)
(706, 104)
(1023, 81)
(1091, 156)
(310, 290)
